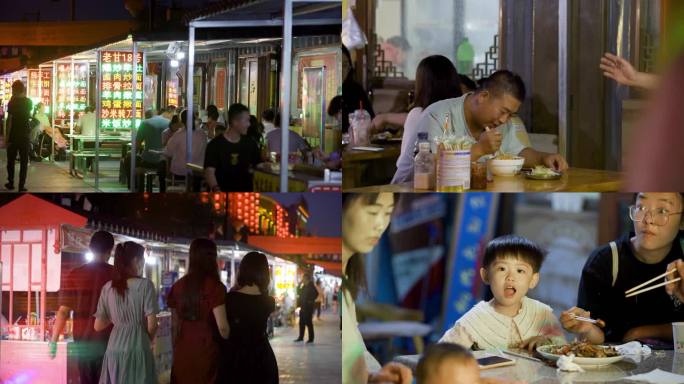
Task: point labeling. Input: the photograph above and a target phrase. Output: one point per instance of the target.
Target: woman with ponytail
(130, 303)
(198, 309)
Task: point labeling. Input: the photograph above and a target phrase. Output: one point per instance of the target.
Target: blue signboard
(474, 226)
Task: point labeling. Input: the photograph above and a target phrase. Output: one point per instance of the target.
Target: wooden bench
(79, 160)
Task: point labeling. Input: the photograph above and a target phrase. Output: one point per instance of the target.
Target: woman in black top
(625, 263)
(247, 356)
(353, 94)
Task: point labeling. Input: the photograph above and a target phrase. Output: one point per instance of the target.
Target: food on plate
(543, 171)
(584, 349)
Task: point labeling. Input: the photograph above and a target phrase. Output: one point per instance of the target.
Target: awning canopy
(29, 210)
(59, 34)
(40, 42)
(304, 12)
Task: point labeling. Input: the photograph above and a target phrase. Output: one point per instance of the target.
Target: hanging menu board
(5, 89)
(72, 91)
(40, 86)
(116, 97)
(172, 92)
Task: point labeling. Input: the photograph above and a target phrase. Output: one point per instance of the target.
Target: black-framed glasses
(659, 216)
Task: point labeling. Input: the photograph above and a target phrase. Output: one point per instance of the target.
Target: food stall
(6, 85)
(260, 15)
(30, 253)
(316, 79)
(39, 243)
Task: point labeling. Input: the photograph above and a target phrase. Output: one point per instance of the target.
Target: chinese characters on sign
(474, 228)
(172, 92)
(40, 87)
(5, 89)
(117, 89)
(72, 92)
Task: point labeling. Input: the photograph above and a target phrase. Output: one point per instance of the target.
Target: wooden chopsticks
(633, 291)
(600, 323)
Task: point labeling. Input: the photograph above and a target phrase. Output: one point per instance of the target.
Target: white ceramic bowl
(506, 167)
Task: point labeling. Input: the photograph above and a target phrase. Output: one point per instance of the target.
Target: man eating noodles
(486, 117)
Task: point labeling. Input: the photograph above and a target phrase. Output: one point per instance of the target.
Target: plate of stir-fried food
(541, 172)
(586, 354)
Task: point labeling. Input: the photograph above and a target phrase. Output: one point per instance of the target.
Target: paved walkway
(319, 362)
(54, 177)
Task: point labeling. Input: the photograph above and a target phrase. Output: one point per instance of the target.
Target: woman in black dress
(247, 357)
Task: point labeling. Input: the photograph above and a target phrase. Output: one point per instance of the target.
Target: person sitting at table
(364, 219)
(267, 119)
(256, 133)
(296, 143)
(212, 127)
(174, 125)
(510, 267)
(467, 84)
(230, 157)
(86, 123)
(485, 117)
(436, 79)
(175, 150)
(335, 109)
(446, 363)
(355, 96)
(634, 258)
(45, 127)
(399, 118)
(149, 138)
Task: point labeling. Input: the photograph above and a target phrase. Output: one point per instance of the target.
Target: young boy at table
(510, 320)
(486, 116)
(447, 363)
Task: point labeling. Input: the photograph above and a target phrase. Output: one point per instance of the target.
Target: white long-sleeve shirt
(404, 171)
(492, 330)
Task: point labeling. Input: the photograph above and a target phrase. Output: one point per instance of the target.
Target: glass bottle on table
(424, 168)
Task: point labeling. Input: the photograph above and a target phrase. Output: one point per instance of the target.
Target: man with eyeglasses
(634, 258)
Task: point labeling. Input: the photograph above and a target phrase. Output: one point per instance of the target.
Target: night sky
(325, 211)
(56, 10)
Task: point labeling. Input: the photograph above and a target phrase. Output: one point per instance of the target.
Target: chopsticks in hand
(600, 323)
(633, 291)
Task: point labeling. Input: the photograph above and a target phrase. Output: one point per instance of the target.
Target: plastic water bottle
(422, 137)
(424, 168)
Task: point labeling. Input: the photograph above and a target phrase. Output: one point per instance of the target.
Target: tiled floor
(319, 362)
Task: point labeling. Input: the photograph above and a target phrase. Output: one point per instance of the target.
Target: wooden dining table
(572, 180)
(540, 372)
(300, 177)
(365, 167)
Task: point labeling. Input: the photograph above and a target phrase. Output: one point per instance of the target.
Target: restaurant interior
(570, 107)
(423, 274)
